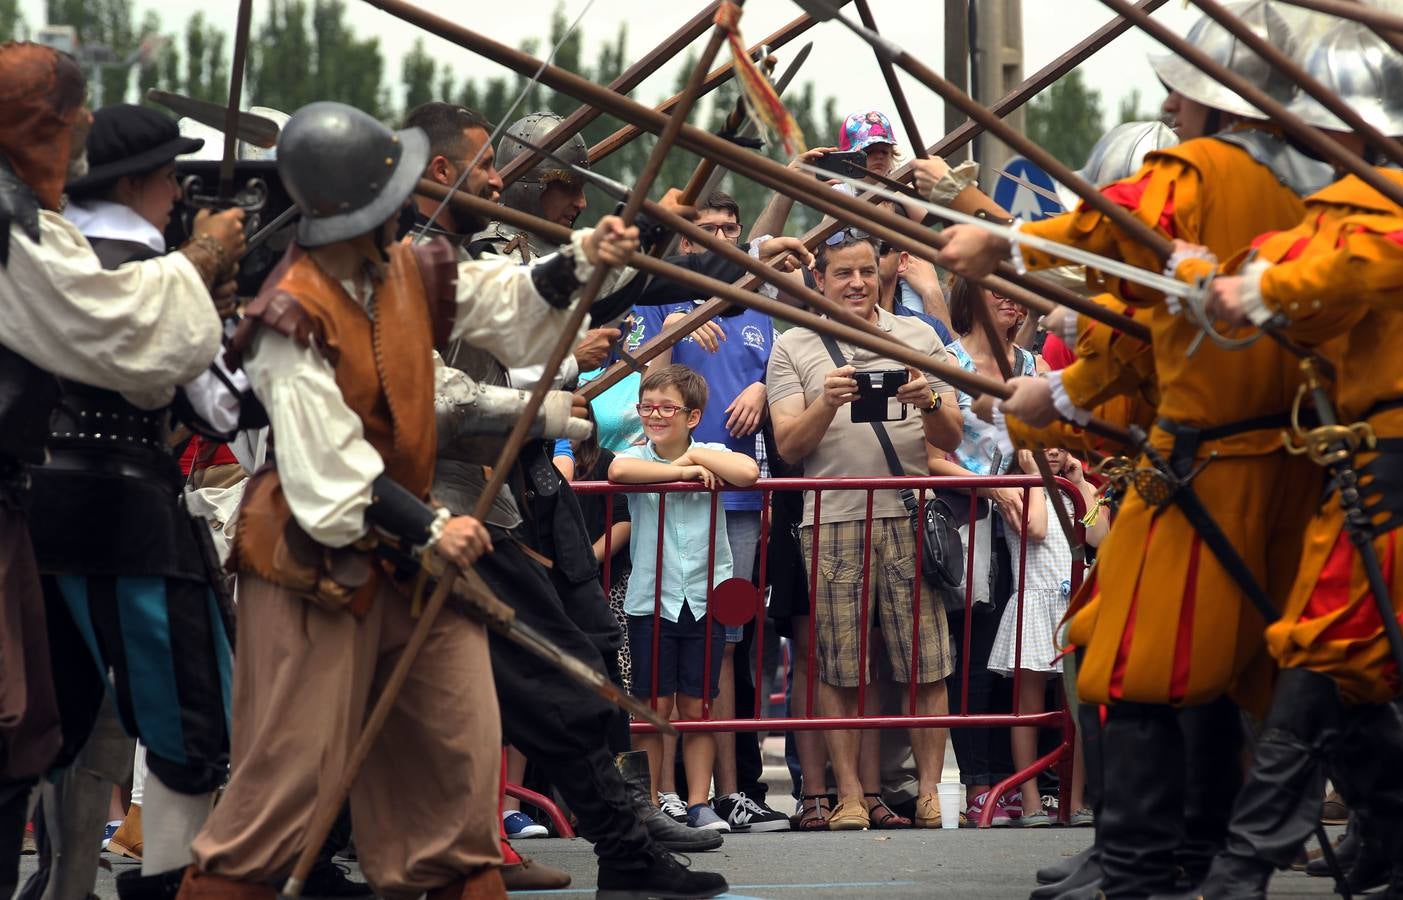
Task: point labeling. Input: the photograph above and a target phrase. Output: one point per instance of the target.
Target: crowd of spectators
(741, 395)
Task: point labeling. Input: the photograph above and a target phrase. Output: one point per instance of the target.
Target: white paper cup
(951, 798)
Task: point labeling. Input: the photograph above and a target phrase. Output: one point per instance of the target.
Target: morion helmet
(1362, 70)
(524, 193)
(1119, 154)
(346, 171)
(1213, 39)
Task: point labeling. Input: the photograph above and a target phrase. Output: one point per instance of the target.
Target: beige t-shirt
(798, 365)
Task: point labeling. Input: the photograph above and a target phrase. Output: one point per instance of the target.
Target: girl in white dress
(1046, 589)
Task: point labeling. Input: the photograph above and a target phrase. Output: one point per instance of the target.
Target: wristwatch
(935, 402)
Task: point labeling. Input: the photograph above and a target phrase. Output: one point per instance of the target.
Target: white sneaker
(672, 804)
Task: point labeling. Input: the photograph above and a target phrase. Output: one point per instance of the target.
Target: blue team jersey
(740, 362)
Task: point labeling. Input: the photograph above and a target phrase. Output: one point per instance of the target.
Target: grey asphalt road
(981, 865)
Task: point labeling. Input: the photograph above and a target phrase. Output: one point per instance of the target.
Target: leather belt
(75, 421)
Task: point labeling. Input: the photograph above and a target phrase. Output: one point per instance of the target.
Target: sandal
(813, 817)
(883, 819)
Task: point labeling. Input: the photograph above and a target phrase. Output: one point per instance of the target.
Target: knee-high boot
(1140, 824)
(1212, 778)
(1279, 804)
(1367, 773)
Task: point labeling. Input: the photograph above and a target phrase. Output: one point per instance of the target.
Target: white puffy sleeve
(143, 325)
(324, 461)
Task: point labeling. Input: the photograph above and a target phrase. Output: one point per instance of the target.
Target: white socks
(169, 823)
(139, 774)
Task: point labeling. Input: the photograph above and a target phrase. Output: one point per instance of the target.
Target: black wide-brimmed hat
(129, 140)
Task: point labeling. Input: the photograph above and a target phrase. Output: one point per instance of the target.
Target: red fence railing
(922, 486)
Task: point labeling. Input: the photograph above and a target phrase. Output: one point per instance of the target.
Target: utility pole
(957, 63)
(998, 69)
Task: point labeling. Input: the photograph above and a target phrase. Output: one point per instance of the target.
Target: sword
(1332, 445)
(1170, 287)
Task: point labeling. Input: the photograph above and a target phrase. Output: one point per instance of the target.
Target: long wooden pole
(721, 75)
(236, 92)
(633, 76)
(1297, 73)
(1291, 123)
(882, 223)
(517, 437)
(1378, 19)
(970, 382)
(898, 95)
(1037, 82)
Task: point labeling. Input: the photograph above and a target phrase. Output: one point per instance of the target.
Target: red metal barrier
(922, 486)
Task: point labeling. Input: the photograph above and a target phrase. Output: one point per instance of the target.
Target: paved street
(997, 863)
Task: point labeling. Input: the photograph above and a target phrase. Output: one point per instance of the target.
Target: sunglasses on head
(842, 234)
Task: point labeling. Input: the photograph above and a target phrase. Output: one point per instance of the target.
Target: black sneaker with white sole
(744, 814)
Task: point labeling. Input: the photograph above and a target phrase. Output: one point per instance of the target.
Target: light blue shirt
(685, 576)
(980, 444)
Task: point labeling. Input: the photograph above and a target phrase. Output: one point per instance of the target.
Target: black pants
(560, 726)
(985, 754)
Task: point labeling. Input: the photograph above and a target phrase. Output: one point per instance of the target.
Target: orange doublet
(1338, 279)
(1161, 621)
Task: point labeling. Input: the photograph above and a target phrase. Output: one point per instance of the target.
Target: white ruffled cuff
(1015, 248)
(1064, 404)
(1253, 305)
(953, 182)
(766, 289)
(1006, 449)
(441, 517)
(583, 267)
(1171, 268)
(1070, 327)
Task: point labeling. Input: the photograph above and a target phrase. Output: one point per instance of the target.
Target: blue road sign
(1026, 191)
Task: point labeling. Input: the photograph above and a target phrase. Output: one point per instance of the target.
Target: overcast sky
(841, 64)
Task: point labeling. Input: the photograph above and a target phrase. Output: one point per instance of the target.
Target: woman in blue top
(983, 753)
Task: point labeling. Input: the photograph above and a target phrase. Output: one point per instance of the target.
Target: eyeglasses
(667, 411)
(729, 229)
(856, 234)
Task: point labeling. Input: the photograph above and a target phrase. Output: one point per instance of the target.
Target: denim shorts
(681, 654)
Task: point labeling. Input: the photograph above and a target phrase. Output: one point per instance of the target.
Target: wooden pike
(236, 93)
(715, 79)
(634, 75)
(970, 382)
(882, 223)
(898, 95)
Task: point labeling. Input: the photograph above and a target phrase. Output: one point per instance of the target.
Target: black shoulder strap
(893, 463)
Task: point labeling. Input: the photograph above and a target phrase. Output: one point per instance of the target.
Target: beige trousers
(424, 807)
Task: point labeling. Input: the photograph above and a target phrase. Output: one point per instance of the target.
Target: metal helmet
(524, 194)
(346, 171)
(1216, 41)
(1119, 154)
(1360, 68)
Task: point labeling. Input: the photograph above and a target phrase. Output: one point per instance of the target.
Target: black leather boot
(162, 886)
(655, 874)
(1084, 869)
(661, 827)
(1279, 805)
(1346, 852)
(1140, 824)
(1368, 775)
(1212, 779)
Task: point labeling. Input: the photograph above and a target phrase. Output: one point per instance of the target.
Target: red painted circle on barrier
(734, 601)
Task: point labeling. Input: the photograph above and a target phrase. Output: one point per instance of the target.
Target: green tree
(12, 24)
(106, 38)
(305, 52)
(1066, 119)
(206, 63)
(417, 71)
(1128, 110)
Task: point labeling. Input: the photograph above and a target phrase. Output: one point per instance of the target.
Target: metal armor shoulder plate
(1291, 167)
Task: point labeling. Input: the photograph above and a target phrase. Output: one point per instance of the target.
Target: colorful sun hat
(863, 129)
